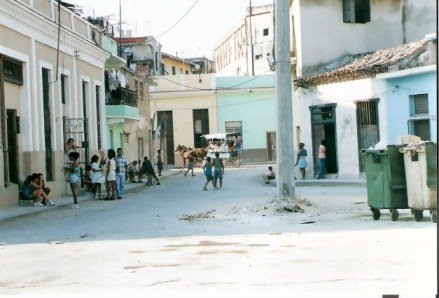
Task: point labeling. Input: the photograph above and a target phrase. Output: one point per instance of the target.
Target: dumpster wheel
(417, 214)
(394, 214)
(434, 216)
(376, 214)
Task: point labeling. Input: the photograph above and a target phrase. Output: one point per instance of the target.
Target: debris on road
(192, 217)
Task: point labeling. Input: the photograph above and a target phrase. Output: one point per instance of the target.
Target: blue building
(412, 104)
(246, 107)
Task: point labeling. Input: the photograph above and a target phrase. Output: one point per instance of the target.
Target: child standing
(96, 176)
(207, 168)
(73, 170)
(111, 175)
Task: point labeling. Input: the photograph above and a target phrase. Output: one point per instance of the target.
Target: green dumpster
(386, 183)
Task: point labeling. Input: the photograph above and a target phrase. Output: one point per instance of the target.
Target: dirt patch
(138, 252)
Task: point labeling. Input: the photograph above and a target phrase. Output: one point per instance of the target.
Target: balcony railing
(122, 96)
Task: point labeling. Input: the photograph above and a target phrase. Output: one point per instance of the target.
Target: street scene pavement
(176, 240)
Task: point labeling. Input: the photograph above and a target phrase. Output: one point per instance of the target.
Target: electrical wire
(210, 89)
(176, 23)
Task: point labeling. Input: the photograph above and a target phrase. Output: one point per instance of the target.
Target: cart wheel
(417, 214)
(394, 214)
(434, 216)
(376, 214)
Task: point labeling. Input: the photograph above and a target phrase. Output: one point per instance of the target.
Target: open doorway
(323, 123)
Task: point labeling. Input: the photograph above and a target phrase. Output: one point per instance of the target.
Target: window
(63, 88)
(13, 71)
(266, 32)
(187, 71)
(356, 11)
(173, 70)
(419, 122)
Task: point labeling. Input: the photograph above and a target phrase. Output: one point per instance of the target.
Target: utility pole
(119, 52)
(251, 41)
(284, 139)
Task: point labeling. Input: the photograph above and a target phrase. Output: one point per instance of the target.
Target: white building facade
(248, 47)
(46, 100)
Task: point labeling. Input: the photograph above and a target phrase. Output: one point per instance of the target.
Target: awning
(219, 136)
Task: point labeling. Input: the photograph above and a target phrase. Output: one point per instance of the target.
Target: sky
(194, 36)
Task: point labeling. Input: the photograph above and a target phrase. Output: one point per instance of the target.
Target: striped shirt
(121, 163)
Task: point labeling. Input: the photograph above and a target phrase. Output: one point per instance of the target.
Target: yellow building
(172, 65)
(51, 88)
(184, 108)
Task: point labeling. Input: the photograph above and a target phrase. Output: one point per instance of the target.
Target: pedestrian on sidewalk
(103, 163)
(190, 166)
(32, 189)
(301, 162)
(148, 169)
(111, 175)
(218, 172)
(121, 169)
(96, 176)
(159, 162)
(322, 159)
(73, 171)
(207, 168)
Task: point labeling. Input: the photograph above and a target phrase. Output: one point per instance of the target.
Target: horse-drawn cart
(217, 143)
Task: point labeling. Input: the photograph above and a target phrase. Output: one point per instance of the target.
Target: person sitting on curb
(31, 189)
(271, 175)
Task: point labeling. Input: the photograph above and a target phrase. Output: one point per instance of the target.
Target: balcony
(122, 96)
(121, 106)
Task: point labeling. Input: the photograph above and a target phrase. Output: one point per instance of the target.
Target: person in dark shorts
(207, 168)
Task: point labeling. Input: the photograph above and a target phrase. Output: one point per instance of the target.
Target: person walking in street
(148, 169)
(207, 168)
(218, 172)
(238, 146)
(110, 177)
(190, 166)
(159, 162)
(322, 159)
(301, 162)
(121, 169)
(74, 170)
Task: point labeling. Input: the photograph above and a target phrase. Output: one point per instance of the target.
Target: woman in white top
(111, 175)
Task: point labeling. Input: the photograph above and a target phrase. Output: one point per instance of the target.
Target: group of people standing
(214, 171)
(109, 169)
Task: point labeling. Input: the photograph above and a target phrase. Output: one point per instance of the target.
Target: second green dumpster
(386, 182)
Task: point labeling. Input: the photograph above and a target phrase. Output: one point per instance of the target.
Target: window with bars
(419, 105)
(419, 122)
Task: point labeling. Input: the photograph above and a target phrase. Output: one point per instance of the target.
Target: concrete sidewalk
(17, 211)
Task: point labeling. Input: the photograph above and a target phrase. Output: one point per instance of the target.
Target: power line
(214, 89)
(176, 23)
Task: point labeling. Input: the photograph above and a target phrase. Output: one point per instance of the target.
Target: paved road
(141, 246)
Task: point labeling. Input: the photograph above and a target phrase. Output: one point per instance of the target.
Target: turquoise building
(246, 107)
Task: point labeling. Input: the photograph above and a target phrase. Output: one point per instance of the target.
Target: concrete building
(351, 29)
(183, 108)
(205, 65)
(246, 49)
(47, 95)
(143, 52)
(376, 97)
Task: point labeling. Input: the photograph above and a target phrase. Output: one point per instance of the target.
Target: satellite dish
(197, 67)
(128, 51)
